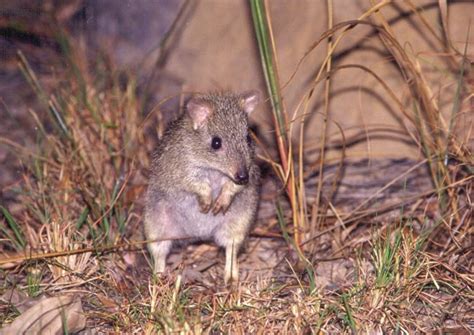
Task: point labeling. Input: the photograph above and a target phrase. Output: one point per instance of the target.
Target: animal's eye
(249, 139)
(216, 143)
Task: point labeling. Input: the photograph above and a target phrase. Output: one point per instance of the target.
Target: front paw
(205, 203)
(221, 204)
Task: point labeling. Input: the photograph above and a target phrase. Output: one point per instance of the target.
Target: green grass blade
(348, 315)
(19, 238)
(457, 96)
(82, 218)
(268, 61)
(283, 226)
(30, 76)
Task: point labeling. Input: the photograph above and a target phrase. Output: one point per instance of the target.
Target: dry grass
(396, 265)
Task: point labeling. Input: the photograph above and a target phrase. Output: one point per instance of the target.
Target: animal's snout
(242, 176)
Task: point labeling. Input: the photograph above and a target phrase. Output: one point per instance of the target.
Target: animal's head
(220, 123)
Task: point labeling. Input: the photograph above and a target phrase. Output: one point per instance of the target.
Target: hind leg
(231, 236)
(159, 252)
(159, 231)
(231, 271)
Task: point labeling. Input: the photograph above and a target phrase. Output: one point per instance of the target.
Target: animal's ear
(250, 100)
(199, 111)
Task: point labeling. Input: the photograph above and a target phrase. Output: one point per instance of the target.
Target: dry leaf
(55, 315)
(18, 299)
(108, 303)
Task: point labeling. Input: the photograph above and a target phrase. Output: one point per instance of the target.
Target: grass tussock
(75, 193)
(358, 270)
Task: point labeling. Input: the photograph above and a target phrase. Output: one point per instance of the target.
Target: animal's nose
(242, 176)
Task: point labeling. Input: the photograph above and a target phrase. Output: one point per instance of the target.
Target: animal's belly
(193, 222)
